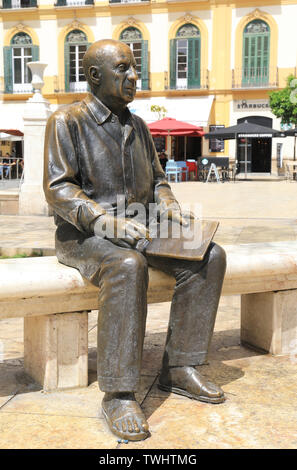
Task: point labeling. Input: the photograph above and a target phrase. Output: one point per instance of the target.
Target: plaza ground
(260, 410)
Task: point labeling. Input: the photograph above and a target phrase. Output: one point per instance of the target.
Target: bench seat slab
(56, 350)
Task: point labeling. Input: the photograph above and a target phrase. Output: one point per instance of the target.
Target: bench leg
(56, 350)
(269, 321)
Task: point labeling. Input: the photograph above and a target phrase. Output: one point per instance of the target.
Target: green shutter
(35, 53)
(33, 3)
(144, 65)
(6, 3)
(7, 53)
(194, 63)
(67, 65)
(61, 3)
(255, 59)
(172, 63)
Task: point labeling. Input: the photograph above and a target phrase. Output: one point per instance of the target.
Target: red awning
(170, 126)
(12, 132)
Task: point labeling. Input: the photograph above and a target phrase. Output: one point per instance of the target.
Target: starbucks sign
(251, 105)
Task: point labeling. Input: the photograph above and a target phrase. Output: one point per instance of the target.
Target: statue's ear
(95, 75)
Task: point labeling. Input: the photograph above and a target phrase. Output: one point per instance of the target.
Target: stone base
(32, 201)
(56, 350)
(269, 321)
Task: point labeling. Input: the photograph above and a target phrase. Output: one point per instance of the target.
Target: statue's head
(110, 70)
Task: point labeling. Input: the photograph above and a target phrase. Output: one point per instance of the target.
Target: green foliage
(283, 103)
(160, 110)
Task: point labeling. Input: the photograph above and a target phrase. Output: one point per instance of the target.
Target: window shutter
(33, 3)
(67, 65)
(35, 53)
(7, 53)
(144, 65)
(61, 3)
(194, 63)
(172, 63)
(6, 3)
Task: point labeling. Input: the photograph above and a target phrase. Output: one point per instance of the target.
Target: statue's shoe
(187, 381)
(125, 419)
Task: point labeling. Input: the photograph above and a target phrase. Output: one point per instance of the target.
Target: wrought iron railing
(73, 3)
(19, 4)
(203, 85)
(255, 77)
(127, 1)
(62, 86)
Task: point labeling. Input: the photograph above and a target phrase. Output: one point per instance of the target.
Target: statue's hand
(173, 212)
(121, 231)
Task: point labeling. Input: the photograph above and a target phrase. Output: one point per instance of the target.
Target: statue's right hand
(121, 231)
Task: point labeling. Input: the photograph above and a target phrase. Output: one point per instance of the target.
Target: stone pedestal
(37, 111)
(56, 350)
(269, 321)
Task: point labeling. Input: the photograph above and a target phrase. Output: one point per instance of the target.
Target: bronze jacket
(90, 159)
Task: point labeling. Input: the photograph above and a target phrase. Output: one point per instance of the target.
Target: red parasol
(12, 132)
(170, 126)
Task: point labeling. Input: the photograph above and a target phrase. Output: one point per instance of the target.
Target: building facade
(206, 62)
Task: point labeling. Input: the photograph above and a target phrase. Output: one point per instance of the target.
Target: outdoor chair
(184, 170)
(172, 169)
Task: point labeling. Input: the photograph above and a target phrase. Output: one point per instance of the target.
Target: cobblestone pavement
(260, 409)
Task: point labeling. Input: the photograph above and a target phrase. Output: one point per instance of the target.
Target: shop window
(17, 76)
(185, 58)
(256, 45)
(133, 38)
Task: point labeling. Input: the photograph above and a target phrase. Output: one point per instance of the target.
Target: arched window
(256, 39)
(185, 58)
(133, 38)
(76, 44)
(17, 76)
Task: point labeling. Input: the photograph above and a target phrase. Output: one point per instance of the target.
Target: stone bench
(54, 301)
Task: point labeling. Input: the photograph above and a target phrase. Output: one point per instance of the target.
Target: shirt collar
(99, 111)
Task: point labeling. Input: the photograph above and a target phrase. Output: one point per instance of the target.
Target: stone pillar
(37, 111)
(56, 350)
(269, 321)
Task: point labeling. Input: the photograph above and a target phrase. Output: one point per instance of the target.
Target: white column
(56, 350)
(37, 111)
(269, 321)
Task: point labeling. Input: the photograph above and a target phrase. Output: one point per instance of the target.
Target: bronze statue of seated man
(96, 154)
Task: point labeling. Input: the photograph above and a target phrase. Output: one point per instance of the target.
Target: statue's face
(118, 75)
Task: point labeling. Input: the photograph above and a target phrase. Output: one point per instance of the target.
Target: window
(133, 38)
(185, 58)
(76, 45)
(17, 75)
(256, 38)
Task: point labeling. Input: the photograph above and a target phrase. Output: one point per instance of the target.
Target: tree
(160, 110)
(283, 104)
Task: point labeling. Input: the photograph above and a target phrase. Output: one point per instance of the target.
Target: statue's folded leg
(192, 318)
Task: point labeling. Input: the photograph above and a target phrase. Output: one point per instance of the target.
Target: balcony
(60, 85)
(258, 77)
(16, 4)
(183, 84)
(74, 3)
(122, 2)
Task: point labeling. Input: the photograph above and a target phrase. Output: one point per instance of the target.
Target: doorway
(184, 147)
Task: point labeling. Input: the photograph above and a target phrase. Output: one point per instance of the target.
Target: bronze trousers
(122, 277)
